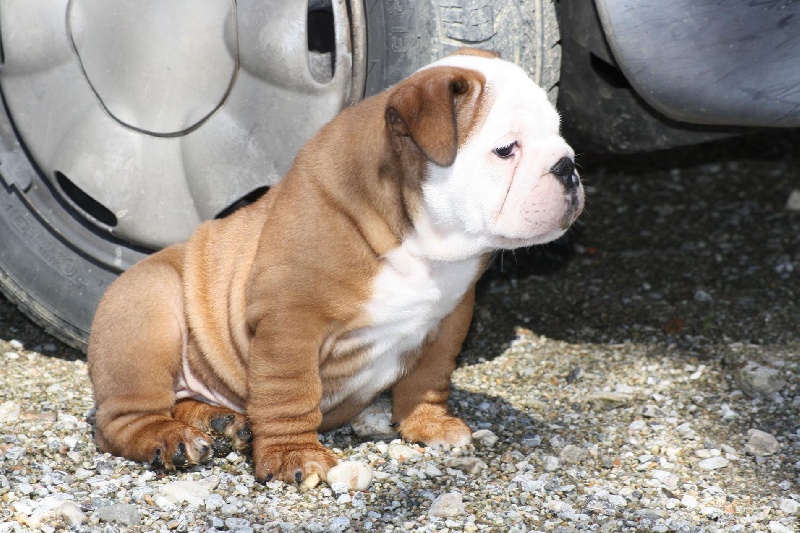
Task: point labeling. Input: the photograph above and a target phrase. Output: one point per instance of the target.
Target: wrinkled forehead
(511, 97)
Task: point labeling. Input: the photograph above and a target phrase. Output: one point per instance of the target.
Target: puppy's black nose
(564, 170)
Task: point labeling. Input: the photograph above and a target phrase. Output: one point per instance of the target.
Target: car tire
(404, 35)
(50, 266)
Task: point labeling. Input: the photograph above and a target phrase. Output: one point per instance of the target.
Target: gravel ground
(641, 375)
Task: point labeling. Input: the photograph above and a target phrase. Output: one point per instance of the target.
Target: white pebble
(353, 474)
(82, 473)
(401, 452)
(72, 513)
(789, 506)
(557, 506)
(46, 509)
(191, 492)
(777, 527)
(617, 500)
(637, 425)
(214, 501)
(9, 412)
(711, 512)
(448, 505)
(623, 388)
(228, 509)
(689, 501)
(669, 479)
(713, 463)
(15, 344)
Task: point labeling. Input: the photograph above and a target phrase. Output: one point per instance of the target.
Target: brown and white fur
(353, 275)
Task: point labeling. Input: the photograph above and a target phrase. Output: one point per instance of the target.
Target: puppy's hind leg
(138, 336)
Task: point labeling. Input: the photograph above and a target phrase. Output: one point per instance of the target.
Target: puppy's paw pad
(292, 463)
(436, 431)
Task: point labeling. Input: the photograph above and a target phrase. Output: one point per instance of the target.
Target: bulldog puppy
(354, 275)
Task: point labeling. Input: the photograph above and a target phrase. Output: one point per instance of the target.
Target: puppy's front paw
(292, 462)
(435, 428)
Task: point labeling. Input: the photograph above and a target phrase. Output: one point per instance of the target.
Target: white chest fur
(410, 297)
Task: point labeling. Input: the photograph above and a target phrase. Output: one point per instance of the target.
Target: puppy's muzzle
(564, 170)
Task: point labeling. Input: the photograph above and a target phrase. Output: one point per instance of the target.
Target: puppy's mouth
(573, 210)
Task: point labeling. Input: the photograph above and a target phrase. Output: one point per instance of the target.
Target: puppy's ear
(435, 108)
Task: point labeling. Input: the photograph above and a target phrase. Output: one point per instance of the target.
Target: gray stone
(757, 381)
(375, 422)
(702, 296)
(551, 463)
(761, 443)
(339, 524)
(607, 399)
(119, 513)
(468, 465)
(573, 454)
(236, 524)
(483, 438)
(448, 505)
(15, 453)
(793, 202)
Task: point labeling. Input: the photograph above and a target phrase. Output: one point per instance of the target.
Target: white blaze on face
(485, 202)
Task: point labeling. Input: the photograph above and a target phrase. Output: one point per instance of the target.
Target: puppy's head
(497, 173)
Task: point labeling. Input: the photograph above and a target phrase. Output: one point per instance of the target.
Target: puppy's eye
(506, 150)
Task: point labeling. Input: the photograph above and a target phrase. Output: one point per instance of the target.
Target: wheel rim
(147, 117)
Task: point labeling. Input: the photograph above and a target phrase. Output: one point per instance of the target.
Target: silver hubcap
(150, 116)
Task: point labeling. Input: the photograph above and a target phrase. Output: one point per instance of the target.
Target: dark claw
(268, 478)
(298, 476)
(221, 422)
(179, 458)
(158, 461)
